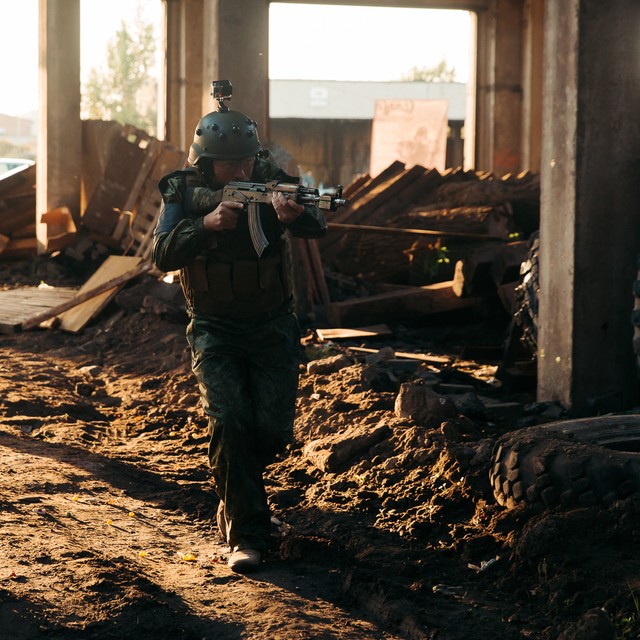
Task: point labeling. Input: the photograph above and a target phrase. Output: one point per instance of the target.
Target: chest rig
(228, 278)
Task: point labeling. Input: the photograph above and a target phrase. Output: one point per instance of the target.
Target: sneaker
(244, 560)
(221, 520)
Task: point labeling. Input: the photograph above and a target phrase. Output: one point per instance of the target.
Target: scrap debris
(412, 244)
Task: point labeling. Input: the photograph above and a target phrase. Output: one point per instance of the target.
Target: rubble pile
(385, 505)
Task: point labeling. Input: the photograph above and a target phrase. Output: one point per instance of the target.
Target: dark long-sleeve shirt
(180, 235)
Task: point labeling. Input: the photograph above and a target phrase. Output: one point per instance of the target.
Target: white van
(9, 164)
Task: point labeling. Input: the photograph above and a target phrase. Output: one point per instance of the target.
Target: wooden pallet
(76, 318)
(145, 202)
(70, 309)
(20, 305)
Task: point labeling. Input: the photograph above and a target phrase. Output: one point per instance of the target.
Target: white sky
(332, 42)
(312, 42)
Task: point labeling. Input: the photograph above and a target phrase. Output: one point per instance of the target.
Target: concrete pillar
(59, 157)
(236, 49)
(210, 40)
(183, 69)
(532, 74)
(499, 87)
(590, 227)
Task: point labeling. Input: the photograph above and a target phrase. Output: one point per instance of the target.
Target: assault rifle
(251, 194)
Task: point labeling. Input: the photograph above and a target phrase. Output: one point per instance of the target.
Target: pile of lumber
(124, 205)
(412, 242)
(18, 214)
(121, 169)
(122, 166)
(428, 242)
(491, 269)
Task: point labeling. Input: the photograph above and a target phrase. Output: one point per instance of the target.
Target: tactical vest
(229, 279)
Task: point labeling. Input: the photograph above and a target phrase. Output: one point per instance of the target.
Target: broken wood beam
(407, 303)
(18, 305)
(86, 295)
(17, 212)
(422, 232)
(410, 194)
(340, 333)
(363, 207)
(20, 249)
(506, 265)
(473, 274)
(422, 357)
(317, 270)
(494, 220)
(392, 170)
(74, 320)
(352, 189)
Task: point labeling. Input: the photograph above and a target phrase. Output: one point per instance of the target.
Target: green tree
(125, 90)
(440, 73)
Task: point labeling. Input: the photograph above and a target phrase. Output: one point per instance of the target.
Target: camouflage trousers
(247, 371)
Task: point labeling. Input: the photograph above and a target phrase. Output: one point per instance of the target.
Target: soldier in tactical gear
(243, 333)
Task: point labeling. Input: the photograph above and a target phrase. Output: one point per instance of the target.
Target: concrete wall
(495, 131)
(499, 87)
(59, 156)
(337, 151)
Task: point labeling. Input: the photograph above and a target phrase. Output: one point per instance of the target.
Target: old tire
(635, 318)
(572, 463)
(526, 297)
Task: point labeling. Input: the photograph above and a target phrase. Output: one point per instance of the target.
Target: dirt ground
(107, 528)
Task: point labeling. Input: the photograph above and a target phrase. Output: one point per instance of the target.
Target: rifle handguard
(250, 194)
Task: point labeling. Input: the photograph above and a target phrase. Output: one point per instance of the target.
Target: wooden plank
(360, 209)
(80, 298)
(318, 271)
(112, 192)
(152, 151)
(393, 169)
(378, 195)
(410, 194)
(352, 189)
(388, 175)
(483, 219)
(422, 357)
(18, 305)
(409, 303)
(311, 287)
(20, 249)
(98, 139)
(113, 268)
(506, 265)
(17, 212)
(147, 210)
(340, 226)
(32, 298)
(373, 331)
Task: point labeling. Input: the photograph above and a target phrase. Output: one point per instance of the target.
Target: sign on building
(411, 131)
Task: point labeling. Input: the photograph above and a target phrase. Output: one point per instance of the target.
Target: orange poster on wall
(409, 131)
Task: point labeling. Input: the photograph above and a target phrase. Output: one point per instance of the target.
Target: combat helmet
(224, 134)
